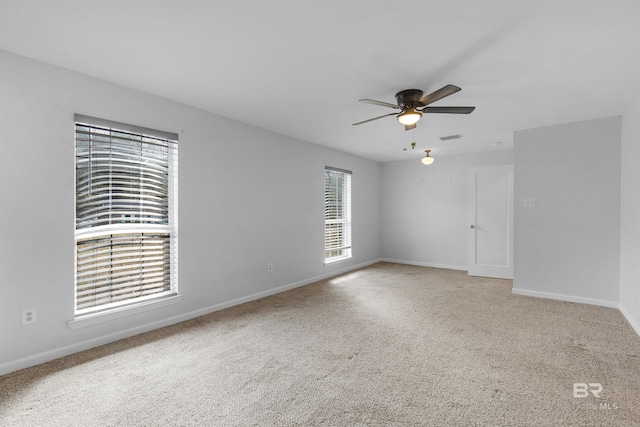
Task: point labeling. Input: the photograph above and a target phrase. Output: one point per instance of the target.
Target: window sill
(118, 313)
(338, 260)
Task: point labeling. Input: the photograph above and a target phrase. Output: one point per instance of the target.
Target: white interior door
(491, 221)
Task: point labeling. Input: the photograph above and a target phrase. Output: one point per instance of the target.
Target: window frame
(345, 247)
(140, 227)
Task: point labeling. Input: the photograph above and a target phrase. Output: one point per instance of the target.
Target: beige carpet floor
(386, 345)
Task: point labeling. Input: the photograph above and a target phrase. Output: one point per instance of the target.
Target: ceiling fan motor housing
(409, 98)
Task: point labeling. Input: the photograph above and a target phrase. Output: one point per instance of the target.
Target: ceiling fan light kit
(409, 117)
(412, 105)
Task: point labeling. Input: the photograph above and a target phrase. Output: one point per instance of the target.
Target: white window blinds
(337, 214)
(126, 216)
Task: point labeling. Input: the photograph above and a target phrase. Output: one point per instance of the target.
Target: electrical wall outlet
(29, 316)
(270, 267)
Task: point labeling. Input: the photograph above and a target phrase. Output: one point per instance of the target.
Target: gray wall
(630, 216)
(424, 208)
(247, 197)
(568, 245)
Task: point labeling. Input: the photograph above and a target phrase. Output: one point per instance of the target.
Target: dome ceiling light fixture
(412, 104)
(427, 160)
(409, 116)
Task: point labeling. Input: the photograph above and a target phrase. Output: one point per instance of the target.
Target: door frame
(474, 269)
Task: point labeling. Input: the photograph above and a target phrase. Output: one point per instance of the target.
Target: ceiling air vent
(450, 137)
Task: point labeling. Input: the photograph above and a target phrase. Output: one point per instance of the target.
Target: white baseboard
(603, 303)
(426, 264)
(56, 353)
(633, 322)
(567, 298)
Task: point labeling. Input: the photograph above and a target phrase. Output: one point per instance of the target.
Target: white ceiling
(299, 67)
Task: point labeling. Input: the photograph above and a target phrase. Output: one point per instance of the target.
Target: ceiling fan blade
(449, 110)
(375, 118)
(439, 94)
(381, 103)
(409, 127)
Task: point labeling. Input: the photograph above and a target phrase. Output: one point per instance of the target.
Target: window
(126, 214)
(337, 214)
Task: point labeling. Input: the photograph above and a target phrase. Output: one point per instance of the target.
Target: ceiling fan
(412, 104)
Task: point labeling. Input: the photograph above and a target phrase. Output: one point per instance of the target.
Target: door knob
(472, 226)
